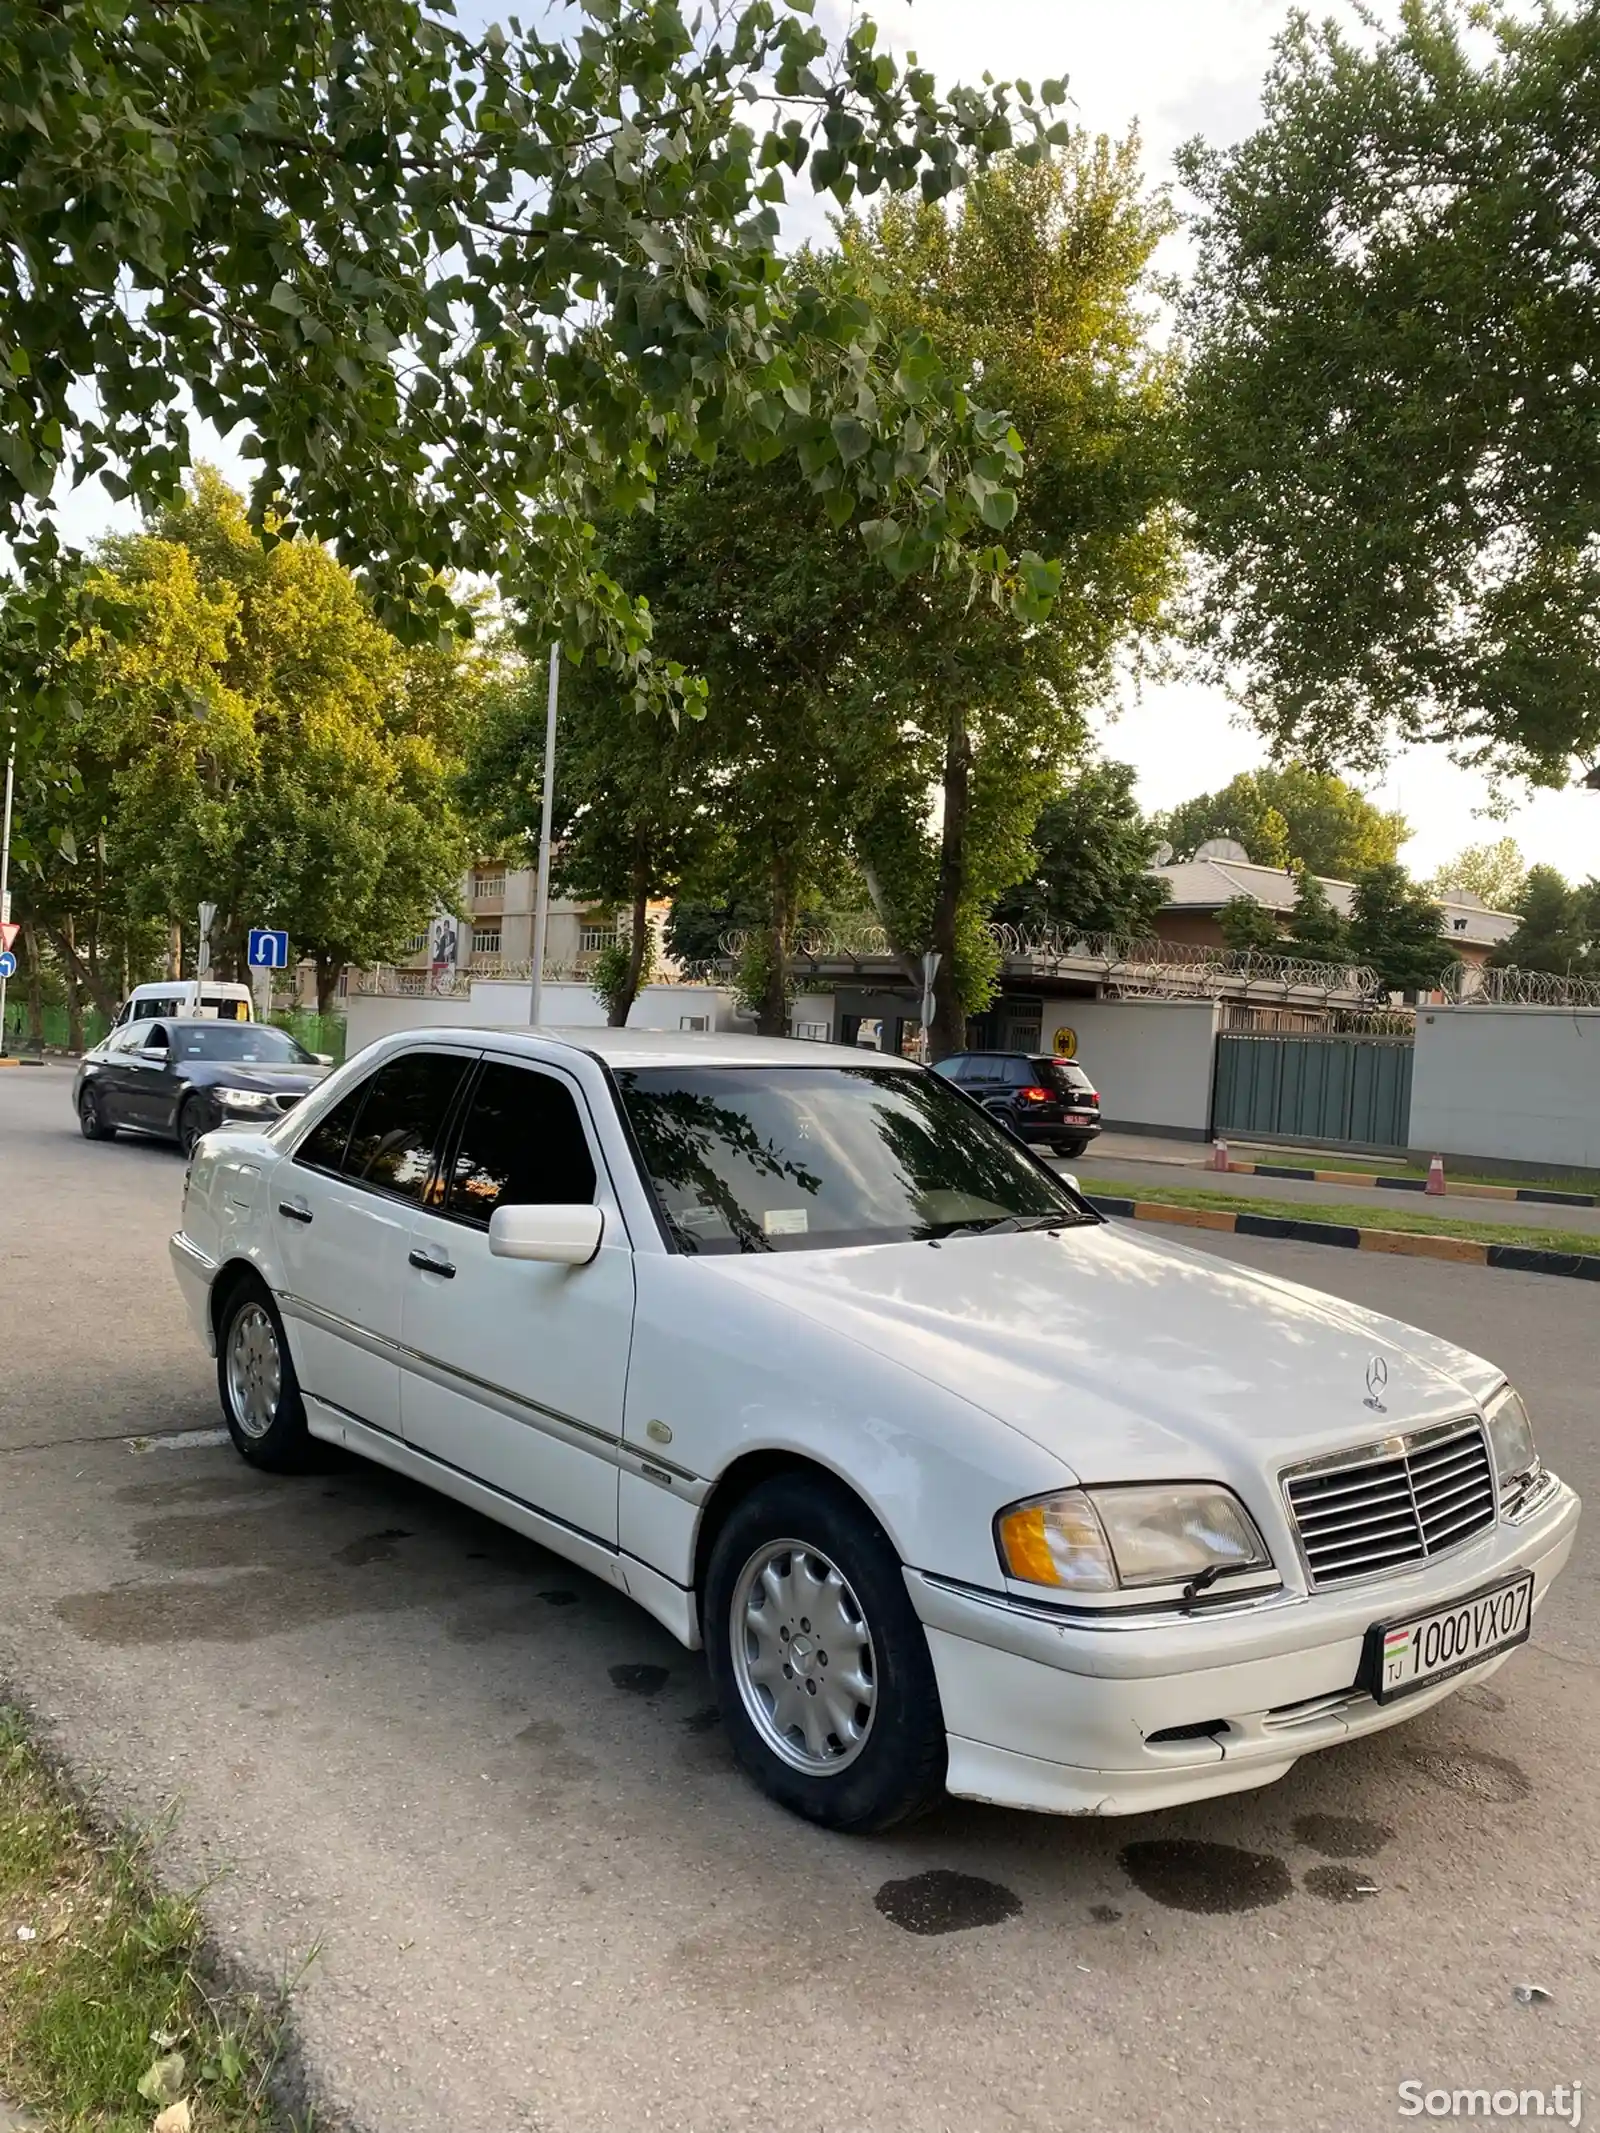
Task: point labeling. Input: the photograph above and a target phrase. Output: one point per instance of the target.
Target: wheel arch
(230, 1278)
(747, 1473)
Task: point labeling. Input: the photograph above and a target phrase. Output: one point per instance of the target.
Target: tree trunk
(69, 970)
(175, 952)
(772, 1016)
(949, 1031)
(328, 974)
(30, 943)
(622, 1006)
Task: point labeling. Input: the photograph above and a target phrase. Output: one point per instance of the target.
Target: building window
(1460, 925)
(486, 939)
(597, 934)
(411, 982)
(812, 1032)
(488, 883)
(695, 1022)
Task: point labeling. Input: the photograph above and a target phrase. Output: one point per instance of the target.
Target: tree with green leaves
(631, 808)
(1249, 928)
(1040, 285)
(1091, 859)
(1316, 931)
(1558, 927)
(1394, 927)
(1393, 409)
(248, 735)
(1496, 872)
(1290, 815)
(465, 290)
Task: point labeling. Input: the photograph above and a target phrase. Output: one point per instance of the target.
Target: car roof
(657, 1048)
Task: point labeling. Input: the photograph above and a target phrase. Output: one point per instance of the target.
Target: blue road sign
(268, 951)
(8, 965)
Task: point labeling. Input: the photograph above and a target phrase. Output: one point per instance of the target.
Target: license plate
(1425, 1648)
(1082, 1118)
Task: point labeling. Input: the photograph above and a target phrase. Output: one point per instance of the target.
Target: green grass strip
(1360, 1217)
(107, 2016)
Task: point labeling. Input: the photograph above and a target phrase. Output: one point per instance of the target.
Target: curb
(1405, 1244)
(1370, 1180)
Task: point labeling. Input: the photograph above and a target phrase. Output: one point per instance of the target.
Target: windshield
(764, 1159)
(254, 1042)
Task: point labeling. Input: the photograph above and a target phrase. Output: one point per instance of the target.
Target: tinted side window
(395, 1139)
(323, 1147)
(522, 1145)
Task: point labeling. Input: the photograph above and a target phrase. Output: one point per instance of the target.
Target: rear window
(1065, 1074)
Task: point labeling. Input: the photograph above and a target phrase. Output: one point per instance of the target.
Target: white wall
(495, 1001)
(1151, 1060)
(1519, 1084)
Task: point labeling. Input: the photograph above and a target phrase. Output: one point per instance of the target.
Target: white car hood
(1128, 1358)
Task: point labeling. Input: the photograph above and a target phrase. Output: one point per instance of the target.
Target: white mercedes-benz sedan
(959, 1485)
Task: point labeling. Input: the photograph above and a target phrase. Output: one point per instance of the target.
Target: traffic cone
(1435, 1182)
(1219, 1155)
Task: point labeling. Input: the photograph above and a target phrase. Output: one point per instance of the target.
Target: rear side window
(522, 1145)
(323, 1147)
(397, 1135)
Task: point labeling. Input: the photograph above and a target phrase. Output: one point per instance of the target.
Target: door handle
(425, 1265)
(295, 1214)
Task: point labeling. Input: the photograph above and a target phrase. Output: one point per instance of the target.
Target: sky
(1173, 68)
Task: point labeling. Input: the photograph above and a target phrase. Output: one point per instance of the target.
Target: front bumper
(1055, 1713)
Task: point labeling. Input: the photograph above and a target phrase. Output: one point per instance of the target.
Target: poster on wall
(445, 941)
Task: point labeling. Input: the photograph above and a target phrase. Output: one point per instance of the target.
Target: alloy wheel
(803, 1657)
(255, 1371)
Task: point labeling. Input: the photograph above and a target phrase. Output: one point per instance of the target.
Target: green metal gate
(1314, 1088)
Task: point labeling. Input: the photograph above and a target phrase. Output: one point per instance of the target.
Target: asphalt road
(497, 1798)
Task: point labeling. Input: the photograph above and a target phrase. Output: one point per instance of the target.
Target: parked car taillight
(1036, 1096)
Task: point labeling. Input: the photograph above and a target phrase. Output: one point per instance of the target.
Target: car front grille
(1384, 1506)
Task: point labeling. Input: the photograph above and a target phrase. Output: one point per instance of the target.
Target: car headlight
(1511, 1437)
(1100, 1540)
(245, 1099)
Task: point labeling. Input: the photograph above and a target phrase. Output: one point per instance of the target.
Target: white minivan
(170, 998)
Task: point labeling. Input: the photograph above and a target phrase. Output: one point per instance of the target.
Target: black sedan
(1040, 1099)
(178, 1079)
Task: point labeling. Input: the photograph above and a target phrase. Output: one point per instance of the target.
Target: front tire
(820, 1664)
(190, 1126)
(92, 1121)
(260, 1394)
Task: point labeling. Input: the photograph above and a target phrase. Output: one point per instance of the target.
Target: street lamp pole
(5, 868)
(541, 898)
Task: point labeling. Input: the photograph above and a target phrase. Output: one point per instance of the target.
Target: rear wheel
(261, 1401)
(1070, 1147)
(820, 1663)
(92, 1122)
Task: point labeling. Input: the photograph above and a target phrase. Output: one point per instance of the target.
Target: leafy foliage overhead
(1394, 408)
(464, 291)
(1497, 872)
(1558, 927)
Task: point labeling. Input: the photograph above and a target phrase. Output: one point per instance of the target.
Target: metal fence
(1326, 1088)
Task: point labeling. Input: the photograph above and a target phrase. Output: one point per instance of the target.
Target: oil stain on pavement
(1342, 1836)
(1186, 1874)
(640, 1680)
(1338, 1884)
(1475, 1775)
(942, 1901)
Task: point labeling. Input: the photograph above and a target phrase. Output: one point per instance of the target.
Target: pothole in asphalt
(1186, 1874)
(942, 1901)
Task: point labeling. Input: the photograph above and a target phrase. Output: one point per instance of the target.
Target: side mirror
(1069, 1177)
(561, 1236)
(155, 1051)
